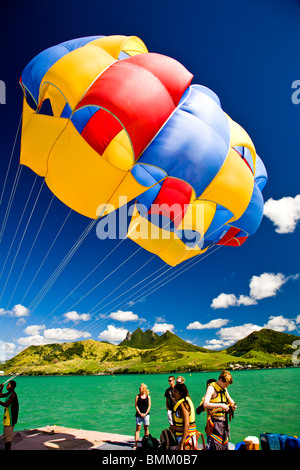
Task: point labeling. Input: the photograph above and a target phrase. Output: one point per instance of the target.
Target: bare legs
(137, 433)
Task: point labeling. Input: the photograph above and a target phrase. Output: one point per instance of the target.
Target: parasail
(104, 118)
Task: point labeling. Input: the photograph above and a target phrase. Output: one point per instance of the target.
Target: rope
(38, 298)
(24, 233)
(30, 251)
(10, 160)
(96, 324)
(17, 229)
(11, 198)
(29, 255)
(169, 268)
(21, 302)
(86, 277)
(36, 301)
(62, 265)
(46, 256)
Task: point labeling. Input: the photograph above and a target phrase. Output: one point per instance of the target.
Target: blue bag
(269, 441)
(292, 443)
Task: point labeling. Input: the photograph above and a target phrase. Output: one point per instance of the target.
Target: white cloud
(261, 287)
(279, 323)
(162, 327)
(246, 300)
(266, 285)
(217, 323)
(34, 329)
(7, 350)
(113, 335)
(74, 316)
(230, 335)
(234, 333)
(124, 316)
(53, 335)
(284, 213)
(34, 340)
(18, 311)
(224, 301)
(231, 300)
(217, 344)
(65, 334)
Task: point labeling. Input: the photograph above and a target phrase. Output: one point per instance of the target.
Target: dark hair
(13, 384)
(210, 381)
(182, 389)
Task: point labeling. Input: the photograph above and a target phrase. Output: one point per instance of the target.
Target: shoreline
(108, 374)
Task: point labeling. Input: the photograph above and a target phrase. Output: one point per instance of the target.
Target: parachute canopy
(104, 118)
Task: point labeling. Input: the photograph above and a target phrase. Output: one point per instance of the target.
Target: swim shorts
(139, 420)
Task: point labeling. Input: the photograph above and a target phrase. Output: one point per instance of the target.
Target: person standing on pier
(220, 406)
(142, 406)
(170, 400)
(11, 411)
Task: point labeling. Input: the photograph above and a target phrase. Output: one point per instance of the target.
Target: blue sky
(247, 53)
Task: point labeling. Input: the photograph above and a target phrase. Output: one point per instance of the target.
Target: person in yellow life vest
(218, 404)
(11, 410)
(184, 426)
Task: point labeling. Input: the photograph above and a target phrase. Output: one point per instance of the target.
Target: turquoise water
(267, 400)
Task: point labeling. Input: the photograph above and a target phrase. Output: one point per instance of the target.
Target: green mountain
(140, 339)
(150, 340)
(147, 352)
(265, 341)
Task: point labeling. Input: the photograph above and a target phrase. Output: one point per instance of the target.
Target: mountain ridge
(147, 352)
(149, 340)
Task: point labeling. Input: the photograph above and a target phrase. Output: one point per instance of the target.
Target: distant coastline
(107, 374)
(148, 353)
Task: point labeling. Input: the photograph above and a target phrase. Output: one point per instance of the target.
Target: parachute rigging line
(17, 229)
(30, 251)
(168, 268)
(22, 238)
(10, 160)
(40, 295)
(11, 198)
(57, 235)
(56, 273)
(96, 323)
(86, 277)
(46, 256)
(24, 265)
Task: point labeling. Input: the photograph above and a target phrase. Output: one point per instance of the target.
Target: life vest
(8, 418)
(178, 420)
(222, 397)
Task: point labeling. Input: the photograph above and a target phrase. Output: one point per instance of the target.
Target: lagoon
(268, 400)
